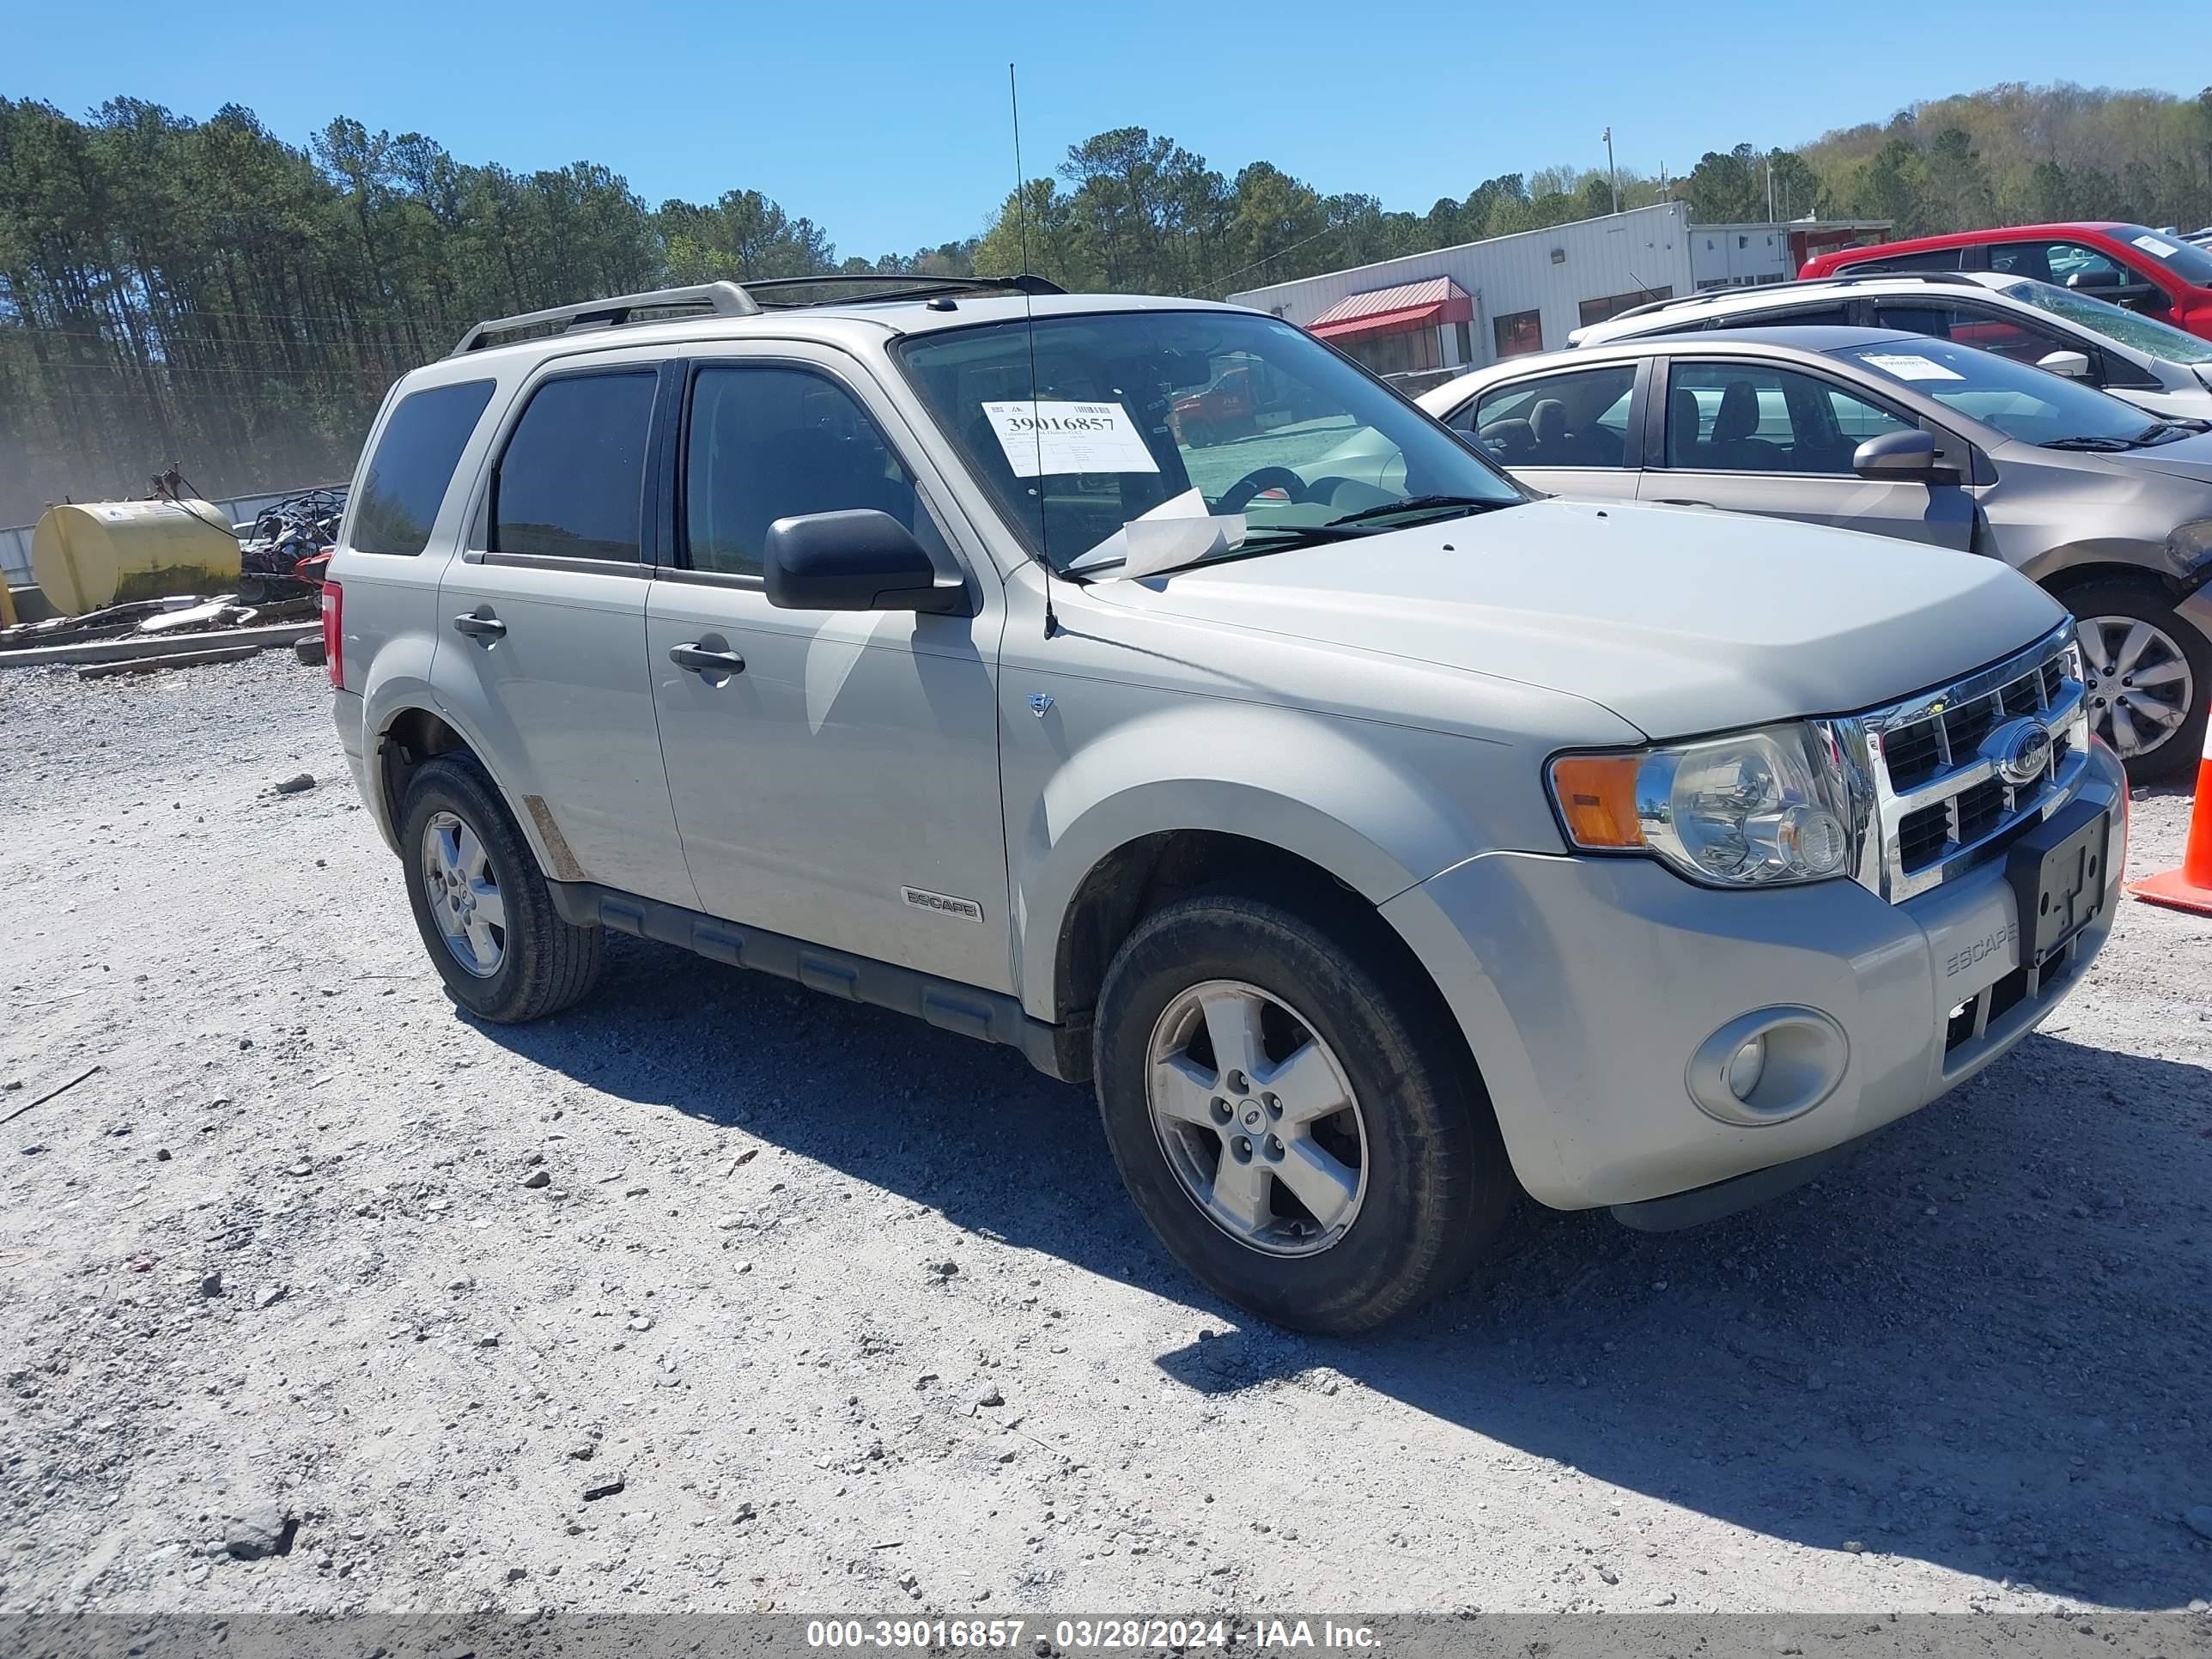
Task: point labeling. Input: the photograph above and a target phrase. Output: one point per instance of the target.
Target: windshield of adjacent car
(2130, 328)
(2184, 259)
(1129, 413)
(2018, 399)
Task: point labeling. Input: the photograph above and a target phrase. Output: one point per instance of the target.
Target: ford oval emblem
(2024, 753)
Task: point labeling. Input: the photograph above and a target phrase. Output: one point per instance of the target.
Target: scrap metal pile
(168, 581)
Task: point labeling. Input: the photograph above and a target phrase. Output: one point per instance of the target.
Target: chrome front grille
(1949, 785)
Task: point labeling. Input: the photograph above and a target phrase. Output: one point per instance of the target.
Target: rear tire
(1413, 1180)
(481, 903)
(2125, 714)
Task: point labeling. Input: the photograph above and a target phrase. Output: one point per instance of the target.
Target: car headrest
(1547, 418)
(1739, 413)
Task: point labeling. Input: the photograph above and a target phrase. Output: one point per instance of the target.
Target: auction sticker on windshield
(1066, 437)
(1907, 366)
(2156, 245)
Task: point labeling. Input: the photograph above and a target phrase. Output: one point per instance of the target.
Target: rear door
(1575, 432)
(543, 659)
(841, 786)
(1753, 436)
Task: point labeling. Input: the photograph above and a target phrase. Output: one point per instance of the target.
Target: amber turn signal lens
(1597, 797)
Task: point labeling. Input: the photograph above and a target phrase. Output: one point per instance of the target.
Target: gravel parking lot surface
(716, 1293)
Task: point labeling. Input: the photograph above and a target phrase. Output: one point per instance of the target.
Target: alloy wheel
(1257, 1118)
(2137, 680)
(463, 894)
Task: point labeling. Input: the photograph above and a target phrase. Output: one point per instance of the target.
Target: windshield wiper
(1422, 504)
(2103, 445)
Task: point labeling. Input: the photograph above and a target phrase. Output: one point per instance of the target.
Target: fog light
(1768, 1065)
(1746, 1067)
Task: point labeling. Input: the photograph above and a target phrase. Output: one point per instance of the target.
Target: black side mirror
(1897, 458)
(855, 560)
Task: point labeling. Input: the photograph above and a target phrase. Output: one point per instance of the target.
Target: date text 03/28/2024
(1089, 1635)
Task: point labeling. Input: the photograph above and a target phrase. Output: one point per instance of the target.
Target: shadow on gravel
(1985, 1344)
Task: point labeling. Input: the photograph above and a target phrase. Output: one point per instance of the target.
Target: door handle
(480, 625)
(700, 659)
(1671, 501)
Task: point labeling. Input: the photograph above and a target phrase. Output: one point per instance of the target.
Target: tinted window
(572, 481)
(1748, 418)
(773, 443)
(1836, 316)
(413, 464)
(1969, 324)
(1577, 419)
(1941, 259)
(2068, 264)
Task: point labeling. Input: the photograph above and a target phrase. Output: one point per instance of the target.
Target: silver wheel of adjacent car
(1257, 1118)
(2138, 681)
(465, 899)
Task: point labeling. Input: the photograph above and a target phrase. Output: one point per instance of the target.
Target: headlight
(1753, 809)
(2190, 548)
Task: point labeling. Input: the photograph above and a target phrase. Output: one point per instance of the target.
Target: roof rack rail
(721, 298)
(1957, 278)
(895, 285)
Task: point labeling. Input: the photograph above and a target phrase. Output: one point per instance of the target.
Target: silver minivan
(2109, 507)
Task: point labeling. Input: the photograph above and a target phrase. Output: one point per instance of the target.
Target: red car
(2145, 270)
(1219, 412)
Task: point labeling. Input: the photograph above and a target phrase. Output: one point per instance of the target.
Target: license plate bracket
(2057, 875)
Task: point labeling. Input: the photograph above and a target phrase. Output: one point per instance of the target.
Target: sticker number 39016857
(1059, 437)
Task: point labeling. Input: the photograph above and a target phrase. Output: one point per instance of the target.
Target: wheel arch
(410, 733)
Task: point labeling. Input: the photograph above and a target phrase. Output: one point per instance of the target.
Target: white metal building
(1460, 307)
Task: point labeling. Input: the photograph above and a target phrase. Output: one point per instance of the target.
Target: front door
(542, 629)
(1755, 437)
(842, 785)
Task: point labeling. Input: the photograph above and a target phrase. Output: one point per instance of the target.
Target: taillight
(334, 632)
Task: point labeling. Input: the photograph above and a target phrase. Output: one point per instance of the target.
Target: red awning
(1394, 310)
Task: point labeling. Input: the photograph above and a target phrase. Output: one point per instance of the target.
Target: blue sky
(887, 124)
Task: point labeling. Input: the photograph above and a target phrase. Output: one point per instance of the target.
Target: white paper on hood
(1178, 531)
(1910, 366)
(1046, 438)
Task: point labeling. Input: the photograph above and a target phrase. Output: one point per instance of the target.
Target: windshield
(1133, 411)
(2130, 328)
(2018, 399)
(2184, 259)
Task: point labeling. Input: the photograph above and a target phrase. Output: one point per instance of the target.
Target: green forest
(202, 293)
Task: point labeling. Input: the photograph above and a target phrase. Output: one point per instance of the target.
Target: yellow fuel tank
(88, 554)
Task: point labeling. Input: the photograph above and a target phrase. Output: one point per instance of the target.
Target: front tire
(481, 903)
(2147, 676)
(1293, 1114)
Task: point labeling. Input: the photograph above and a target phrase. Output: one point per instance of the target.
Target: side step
(1059, 1051)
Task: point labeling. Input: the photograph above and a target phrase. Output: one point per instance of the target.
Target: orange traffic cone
(2190, 887)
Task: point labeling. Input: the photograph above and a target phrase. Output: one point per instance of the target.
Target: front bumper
(1585, 986)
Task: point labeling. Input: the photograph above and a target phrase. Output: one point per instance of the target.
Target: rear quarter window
(414, 463)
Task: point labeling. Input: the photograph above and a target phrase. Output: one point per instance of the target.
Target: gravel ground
(715, 1294)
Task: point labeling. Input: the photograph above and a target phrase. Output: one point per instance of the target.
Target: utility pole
(1770, 188)
(1611, 177)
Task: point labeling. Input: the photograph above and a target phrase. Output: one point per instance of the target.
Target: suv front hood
(1679, 620)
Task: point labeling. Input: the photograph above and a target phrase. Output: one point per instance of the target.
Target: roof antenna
(1029, 312)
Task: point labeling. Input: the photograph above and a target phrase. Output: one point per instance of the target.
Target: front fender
(1380, 807)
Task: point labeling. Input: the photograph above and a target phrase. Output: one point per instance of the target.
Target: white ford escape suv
(1378, 853)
